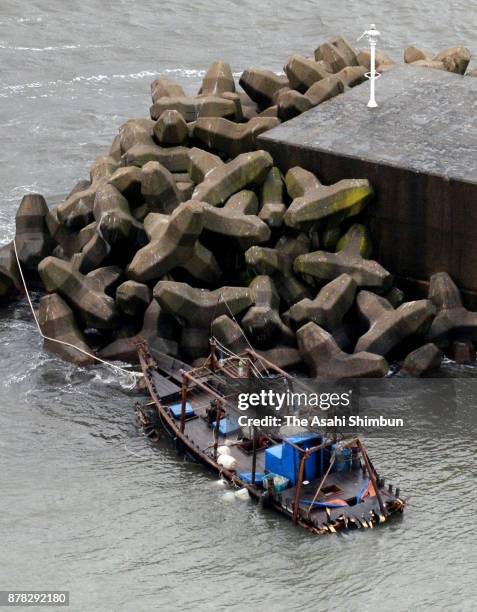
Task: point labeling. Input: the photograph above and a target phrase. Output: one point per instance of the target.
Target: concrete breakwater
(185, 230)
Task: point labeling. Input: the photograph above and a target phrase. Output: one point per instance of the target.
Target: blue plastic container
(227, 426)
(284, 459)
(246, 477)
(279, 482)
(176, 410)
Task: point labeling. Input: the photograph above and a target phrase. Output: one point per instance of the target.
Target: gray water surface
(87, 504)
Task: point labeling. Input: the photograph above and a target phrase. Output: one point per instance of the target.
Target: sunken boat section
(324, 483)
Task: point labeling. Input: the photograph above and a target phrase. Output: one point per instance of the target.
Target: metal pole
(332, 461)
(296, 504)
(254, 456)
(185, 382)
(372, 100)
(216, 431)
(372, 476)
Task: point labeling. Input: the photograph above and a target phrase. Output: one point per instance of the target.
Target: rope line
(73, 346)
(243, 333)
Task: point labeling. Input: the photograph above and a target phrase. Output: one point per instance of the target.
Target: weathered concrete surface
(32, 235)
(422, 141)
(262, 322)
(326, 360)
(133, 298)
(171, 128)
(424, 360)
(329, 307)
(229, 137)
(218, 80)
(94, 308)
(195, 309)
(174, 244)
(57, 321)
(278, 264)
(350, 259)
(222, 182)
(10, 281)
(159, 329)
(389, 327)
(242, 230)
(452, 321)
(104, 279)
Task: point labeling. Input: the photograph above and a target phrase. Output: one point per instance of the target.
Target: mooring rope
(242, 332)
(73, 346)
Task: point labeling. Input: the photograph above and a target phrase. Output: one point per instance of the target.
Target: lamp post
(372, 35)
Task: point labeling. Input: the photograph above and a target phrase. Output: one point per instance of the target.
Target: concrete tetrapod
(262, 85)
(191, 108)
(159, 188)
(104, 279)
(201, 163)
(324, 90)
(302, 72)
(326, 360)
(299, 181)
(127, 181)
(132, 298)
(272, 209)
(195, 309)
(245, 230)
(424, 360)
(328, 308)
(218, 80)
(243, 202)
(389, 327)
(57, 321)
(291, 103)
(165, 88)
(159, 329)
(278, 264)
(32, 236)
(245, 170)
(10, 281)
(94, 308)
(230, 334)
(175, 245)
(115, 224)
(349, 260)
(139, 147)
(262, 322)
(337, 54)
(229, 137)
(77, 209)
(344, 199)
(171, 128)
(452, 320)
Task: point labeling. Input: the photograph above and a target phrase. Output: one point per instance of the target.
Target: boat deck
(336, 505)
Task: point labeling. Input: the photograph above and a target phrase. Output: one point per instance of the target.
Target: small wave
(54, 48)
(98, 78)
(22, 20)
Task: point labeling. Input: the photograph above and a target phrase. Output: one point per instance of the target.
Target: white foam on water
(99, 78)
(54, 48)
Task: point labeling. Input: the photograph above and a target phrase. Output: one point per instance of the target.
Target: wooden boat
(323, 483)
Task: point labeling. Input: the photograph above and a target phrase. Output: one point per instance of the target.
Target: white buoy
(228, 497)
(372, 35)
(228, 462)
(223, 450)
(242, 494)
